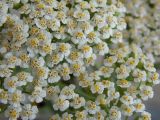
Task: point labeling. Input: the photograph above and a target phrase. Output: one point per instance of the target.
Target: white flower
(81, 115)
(100, 3)
(95, 75)
(108, 84)
(49, 12)
(64, 49)
(139, 75)
(148, 65)
(90, 60)
(102, 100)
(97, 88)
(85, 82)
(37, 62)
(101, 115)
(106, 32)
(112, 94)
(44, 37)
(12, 60)
(132, 63)
(11, 83)
(3, 9)
(146, 92)
(61, 15)
(112, 21)
(4, 71)
(37, 95)
(68, 92)
(3, 50)
(61, 104)
(109, 61)
(82, 5)
(55, 117)
(117, 37)
(123, 83)
(122, 72)
(99, 21)
(65, 71)
(51, 3)
(53, 76)
(67, 116)
(55, 58)
(127, 110)
(154, 78)
(127, 100)
(120, 7)
(102, 48)
(52, 92)
(16, 98)
(29, 112)
(115, 113)
(53, 24)
(120, 54)
(42, 72)
(77, 68)
(138, 105)
(78, 102)
(61, 33)
(25, 59)
(93, 37)
(74, 56)
(3, 18)
(106, 71)
(86, 27)
(91, 107)
(32, 46)
(23, 78)
(3, 96)
(13, 112)
(79, 37)
(41, 23)
(145, 115)
(132, 91)
(39, 82)
(121, 24)
(93, 6)
(71, 25)
(46, 49)
(81, 15)
(86, 50)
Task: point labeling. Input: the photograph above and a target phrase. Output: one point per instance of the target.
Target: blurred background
(153, 105)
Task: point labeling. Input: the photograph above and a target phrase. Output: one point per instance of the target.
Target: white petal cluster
(144, 26)
(69, 56)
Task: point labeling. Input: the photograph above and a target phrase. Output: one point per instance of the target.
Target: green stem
(139, 85)
(136, 117)
(126, 118)
(83, 94)
(3, 108)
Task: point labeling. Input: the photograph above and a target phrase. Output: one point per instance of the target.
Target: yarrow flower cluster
(70, 56)
(143, 21)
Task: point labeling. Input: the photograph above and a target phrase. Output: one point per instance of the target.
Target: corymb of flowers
(68, 57)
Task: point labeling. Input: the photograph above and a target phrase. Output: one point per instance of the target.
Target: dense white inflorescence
(143, 21)
(70, 56)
